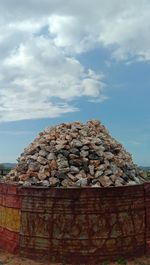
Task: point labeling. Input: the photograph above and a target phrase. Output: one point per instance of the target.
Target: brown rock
(53, 165)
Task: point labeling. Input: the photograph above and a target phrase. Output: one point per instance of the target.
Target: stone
(118, 182)
(96, 185)
(75, 155)
(41, 176)
(76, 143)
(98, 174)
(45, 183)
(76, 162)
(105, 181)
(72, 177)
(84, 153)
(74, 169)
(53, 181)
(53, 165)
(113, 178)
(91, 169)
(108, 172)
(43, 153)
(81, 182)
(51, 156)
(24, 177)
(108, 155)
(130, 182)
(93, 156)
(66, 183)
(27, 183)
(34, 166)
(42, 160)
(75, 151)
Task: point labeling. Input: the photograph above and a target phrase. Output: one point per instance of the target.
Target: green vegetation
(4, 170)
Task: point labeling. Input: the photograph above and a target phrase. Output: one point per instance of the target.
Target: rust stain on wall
(86, 225)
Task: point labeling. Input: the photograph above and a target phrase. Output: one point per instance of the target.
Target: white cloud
(39, 73)
(41, 81)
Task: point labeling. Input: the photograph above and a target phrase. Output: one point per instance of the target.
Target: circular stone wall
(73, 225)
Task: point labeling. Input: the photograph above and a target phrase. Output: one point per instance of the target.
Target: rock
(53, 181)
(96, 185)
(84, 153)
(72, 177)
(105, 181)
(93, 156)
(113, 178)
(53, 165)
(108, 155)
(81, 182)
(41, 176)
(22, 167)
(74, 169)
(62, 163)
(119, 182)
(91, 169)
(34, 166)
(43, 153)
(74, 151)
(76, 143)
(51, 156)
(130, 182)
(24, 177)
(66, 183)
(78, 155)
(42, 160)
(76, 162)
(98, 174)
(46, 183)
(27, 184)
(108, 172)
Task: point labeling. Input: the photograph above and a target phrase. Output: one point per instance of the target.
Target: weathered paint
(75, 226)
(83, 225)
(10, 217)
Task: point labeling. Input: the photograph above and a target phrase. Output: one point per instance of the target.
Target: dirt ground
(7, 258)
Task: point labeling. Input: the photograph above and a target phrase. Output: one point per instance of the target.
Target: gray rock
(27, 184)
(99, 173)
(91, 170)
(75, 151)
(51, 156)
(84, 153)
(81, 182)
(43, 153)
(74, 169)
(45, 183)
(34, 166)
(76, 143)
(42, 160)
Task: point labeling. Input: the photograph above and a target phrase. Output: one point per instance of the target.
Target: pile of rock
(75, 155)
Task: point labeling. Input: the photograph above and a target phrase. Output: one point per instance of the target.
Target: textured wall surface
(10, 214)
(75, 225)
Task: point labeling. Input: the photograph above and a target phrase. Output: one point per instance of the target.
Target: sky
(66, 60)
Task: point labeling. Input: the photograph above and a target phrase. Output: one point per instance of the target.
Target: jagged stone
(75, 155)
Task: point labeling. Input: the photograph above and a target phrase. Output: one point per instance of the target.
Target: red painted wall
(80, 226)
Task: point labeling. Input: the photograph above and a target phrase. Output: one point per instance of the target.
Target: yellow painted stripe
(10, 218)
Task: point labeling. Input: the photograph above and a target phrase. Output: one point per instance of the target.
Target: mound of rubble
(75, 155)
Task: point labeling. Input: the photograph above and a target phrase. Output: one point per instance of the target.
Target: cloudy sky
(66, 60)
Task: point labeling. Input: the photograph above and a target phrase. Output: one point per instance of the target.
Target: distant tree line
(4, 170)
